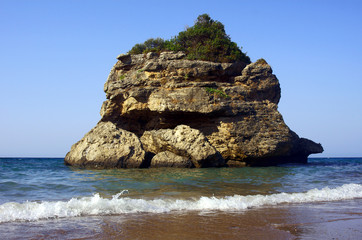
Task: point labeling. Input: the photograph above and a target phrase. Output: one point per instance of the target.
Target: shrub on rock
(206, 40)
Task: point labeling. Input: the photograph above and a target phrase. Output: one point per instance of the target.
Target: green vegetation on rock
(217, 92)
(206, 40)
(150, 45)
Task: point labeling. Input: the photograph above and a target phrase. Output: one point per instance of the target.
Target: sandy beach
(325, 220)
(307, 221)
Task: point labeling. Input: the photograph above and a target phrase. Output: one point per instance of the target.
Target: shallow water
(43, 195)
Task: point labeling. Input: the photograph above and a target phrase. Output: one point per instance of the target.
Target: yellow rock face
(232, 106)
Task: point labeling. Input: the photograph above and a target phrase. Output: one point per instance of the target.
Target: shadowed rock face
(174, 112)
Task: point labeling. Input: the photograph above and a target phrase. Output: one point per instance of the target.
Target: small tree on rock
(206, 40)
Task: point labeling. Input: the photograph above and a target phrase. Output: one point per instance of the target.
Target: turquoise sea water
(41, 189)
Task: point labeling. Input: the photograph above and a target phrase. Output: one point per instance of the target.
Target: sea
(41, 198)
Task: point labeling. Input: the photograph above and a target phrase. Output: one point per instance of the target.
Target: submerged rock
(163, 110)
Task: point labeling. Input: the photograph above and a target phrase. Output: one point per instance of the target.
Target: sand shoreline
(324, 220)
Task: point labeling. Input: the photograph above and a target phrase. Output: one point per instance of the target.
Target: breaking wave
(119, 204)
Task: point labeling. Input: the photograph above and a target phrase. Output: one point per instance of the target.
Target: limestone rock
(107, 146)
(260, 81)
(183, 141)
(170, 159)
(208, 113)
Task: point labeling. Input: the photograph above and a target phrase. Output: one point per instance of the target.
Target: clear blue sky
(56, 55)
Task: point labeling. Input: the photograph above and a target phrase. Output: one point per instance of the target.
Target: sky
(55, 57)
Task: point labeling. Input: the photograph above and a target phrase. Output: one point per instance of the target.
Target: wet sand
(332, 220)
(307, 221)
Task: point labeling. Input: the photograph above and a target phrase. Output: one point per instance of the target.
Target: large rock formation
(163, 110)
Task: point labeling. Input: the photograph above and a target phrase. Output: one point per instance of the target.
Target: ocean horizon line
(30, 157)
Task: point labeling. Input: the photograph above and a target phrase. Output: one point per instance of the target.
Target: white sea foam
(118, 204)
